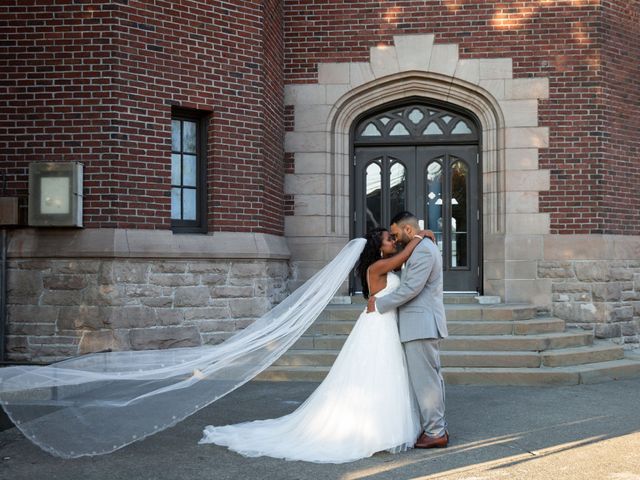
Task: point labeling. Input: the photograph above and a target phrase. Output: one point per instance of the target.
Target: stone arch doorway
(506, 108)
(422, 157)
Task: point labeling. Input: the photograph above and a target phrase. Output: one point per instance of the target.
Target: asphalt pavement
(576, 432)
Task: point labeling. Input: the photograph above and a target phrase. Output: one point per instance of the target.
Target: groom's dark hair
(403, 218)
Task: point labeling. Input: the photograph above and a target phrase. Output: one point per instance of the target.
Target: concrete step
(460, 298)
(449, 298)
(570, 375)
(326, 358)
(491, 359)
(298, 374)
(454, 312)
(538, 326)
(537, 343)
(607, 371)
(341, 312)
(308, 358)
(467, 327)
(563, 357)
(320, 342)
(512, 327)
(510, 359)
(331, 327)
(550, 358)
(499, 311)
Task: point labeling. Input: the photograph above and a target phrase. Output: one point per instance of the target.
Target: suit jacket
(419, 296)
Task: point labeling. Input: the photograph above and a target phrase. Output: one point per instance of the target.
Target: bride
(97, 403)
(365, 404)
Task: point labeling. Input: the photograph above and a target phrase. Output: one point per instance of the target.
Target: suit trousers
(425, 376)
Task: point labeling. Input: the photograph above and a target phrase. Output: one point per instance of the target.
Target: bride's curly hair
(369, 255)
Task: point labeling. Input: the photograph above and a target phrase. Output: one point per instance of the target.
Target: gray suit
(422, 324)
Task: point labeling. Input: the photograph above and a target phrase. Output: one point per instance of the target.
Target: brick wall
(58, 98)
(273, 125)
(559, 39)
(95, 81)
(620, 213)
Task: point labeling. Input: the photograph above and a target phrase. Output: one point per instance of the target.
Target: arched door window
(416, 124)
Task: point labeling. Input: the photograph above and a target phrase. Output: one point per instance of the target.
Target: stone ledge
(157, 244)
(591, 247)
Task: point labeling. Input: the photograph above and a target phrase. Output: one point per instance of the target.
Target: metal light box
(55, 194)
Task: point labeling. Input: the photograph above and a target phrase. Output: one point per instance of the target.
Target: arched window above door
(416, 123)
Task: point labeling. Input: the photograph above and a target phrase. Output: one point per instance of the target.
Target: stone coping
(591, 247)
(129, 243)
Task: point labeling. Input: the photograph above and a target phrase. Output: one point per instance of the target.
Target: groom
(422, 324)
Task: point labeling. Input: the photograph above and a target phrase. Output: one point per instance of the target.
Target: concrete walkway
(578, 432)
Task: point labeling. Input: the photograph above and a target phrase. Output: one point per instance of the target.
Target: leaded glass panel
(398, 189)
(459, 213)
(371, 131)
(189, 170)
(176, 203)
(398, 130)
(189, 137)
(433, 129)
(434, 177)
(373, 196)
(189, 203)
(176, 168)
(416, 123)
(461, 128)
(416, 116)
(175, 135)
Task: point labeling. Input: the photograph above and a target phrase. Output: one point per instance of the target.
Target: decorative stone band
(124, 243)
(416, 66)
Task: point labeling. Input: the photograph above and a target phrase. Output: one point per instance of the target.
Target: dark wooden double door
(439, 184)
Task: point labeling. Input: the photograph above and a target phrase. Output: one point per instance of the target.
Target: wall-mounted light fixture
(55, 194)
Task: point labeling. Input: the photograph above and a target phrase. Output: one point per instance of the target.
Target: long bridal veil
(98, 403)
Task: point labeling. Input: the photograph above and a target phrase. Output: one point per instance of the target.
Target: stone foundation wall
(58, 308)
(599, 295)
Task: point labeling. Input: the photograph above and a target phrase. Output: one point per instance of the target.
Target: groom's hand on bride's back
(371, 305)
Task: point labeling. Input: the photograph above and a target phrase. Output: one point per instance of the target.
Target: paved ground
(580, 432)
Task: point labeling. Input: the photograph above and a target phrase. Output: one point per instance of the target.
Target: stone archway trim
(506, 107)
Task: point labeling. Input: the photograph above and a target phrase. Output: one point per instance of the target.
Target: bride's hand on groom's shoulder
(371, 305)
(429, 234)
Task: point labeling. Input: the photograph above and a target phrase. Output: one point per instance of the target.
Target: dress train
(364, 405)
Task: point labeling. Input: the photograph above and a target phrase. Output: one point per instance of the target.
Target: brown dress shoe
(425, 441)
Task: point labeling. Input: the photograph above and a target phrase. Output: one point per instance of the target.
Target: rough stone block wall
(62, 308)
(95, 82)
(603, 296)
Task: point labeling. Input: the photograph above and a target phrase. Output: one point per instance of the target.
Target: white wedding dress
(365, 404)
